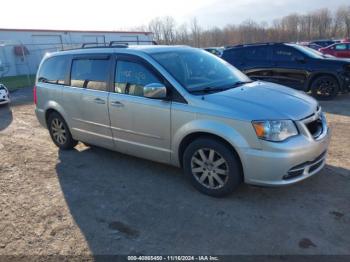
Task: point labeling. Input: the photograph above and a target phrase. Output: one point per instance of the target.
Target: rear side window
(131, 77)
(259, 53)
(54, 70)
(340, 47)
(90, 74)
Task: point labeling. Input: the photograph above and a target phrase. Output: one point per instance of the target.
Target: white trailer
(21, 50)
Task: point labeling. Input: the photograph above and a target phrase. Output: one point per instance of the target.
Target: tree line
(319, 24)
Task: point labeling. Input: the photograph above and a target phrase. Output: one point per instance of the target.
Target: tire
(204, 170)
(60, 133)
(324, 87)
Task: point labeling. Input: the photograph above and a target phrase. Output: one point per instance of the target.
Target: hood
(262, 100)
(335, 60)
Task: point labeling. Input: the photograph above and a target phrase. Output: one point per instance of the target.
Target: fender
(57, 107)
(224, 131)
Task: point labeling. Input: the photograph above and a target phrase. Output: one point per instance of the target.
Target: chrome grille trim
(318, 115)
(307, 168)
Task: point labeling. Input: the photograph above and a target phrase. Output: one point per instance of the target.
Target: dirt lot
(94, 201)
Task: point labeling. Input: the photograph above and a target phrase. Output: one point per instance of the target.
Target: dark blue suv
(292, 65)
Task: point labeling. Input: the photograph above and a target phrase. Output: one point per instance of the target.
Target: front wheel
(325, 87)
(60, 133)
(212, 167)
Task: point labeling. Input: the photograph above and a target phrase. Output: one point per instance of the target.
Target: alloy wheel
(325, 87)
(58, 131)
(209, 168)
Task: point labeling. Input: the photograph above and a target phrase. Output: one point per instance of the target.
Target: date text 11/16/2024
(173, 258)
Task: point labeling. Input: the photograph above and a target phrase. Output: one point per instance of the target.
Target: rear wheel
(212, 167)
(325, 87)
(60, 133)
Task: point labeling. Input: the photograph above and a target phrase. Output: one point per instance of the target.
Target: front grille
(300, 169)
(292, 174)
(315, 128)
(315, 123)
(314, 167)
(320, 157)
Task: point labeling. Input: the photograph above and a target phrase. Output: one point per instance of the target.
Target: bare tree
(155, 26)
(182, 35)
(344, 16)
(295, 27)
(195, 32)
(168, 30)
(321, 22)
(306, 26)
(290, 26)
(336, 23)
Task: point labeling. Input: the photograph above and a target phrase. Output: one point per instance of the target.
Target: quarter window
(340, 47)
(131, 77)
(54, 70)
(90, 73)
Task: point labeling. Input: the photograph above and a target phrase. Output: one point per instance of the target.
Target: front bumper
(4, 98)
(40, 115)
(288, 162)
(4, 101)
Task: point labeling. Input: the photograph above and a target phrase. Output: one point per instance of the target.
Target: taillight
(34, 95)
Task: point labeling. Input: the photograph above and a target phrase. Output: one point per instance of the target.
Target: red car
(338, 50)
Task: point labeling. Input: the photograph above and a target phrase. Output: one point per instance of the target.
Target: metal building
(21, 50)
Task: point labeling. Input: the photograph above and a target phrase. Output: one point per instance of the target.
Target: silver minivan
(185, 107)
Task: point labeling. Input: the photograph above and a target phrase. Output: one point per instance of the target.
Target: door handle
(117, 104)
(99, 101)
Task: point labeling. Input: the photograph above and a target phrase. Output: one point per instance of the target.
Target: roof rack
(118, 44)
(253, 44)
(93, 45)
(126, 43)
(115, 44)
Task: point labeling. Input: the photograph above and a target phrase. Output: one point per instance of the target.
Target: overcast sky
(126, 14)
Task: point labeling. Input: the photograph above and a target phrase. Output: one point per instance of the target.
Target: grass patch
(16, 82)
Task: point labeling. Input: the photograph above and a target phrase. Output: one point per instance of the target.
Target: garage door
(100, 39)
(45, 43)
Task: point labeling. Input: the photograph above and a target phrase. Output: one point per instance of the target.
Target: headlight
(275, 130)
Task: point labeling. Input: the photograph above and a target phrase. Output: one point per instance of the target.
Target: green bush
(15, 82)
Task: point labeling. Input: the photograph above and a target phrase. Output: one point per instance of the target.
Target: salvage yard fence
(19, 62)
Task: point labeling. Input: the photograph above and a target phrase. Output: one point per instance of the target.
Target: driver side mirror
(155, 91)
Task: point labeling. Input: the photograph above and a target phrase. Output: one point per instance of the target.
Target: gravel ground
(94, 201)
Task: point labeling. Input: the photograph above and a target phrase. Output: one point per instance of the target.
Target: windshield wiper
(240, 83)
(208, 90)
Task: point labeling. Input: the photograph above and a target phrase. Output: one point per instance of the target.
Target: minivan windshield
(200, 71)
